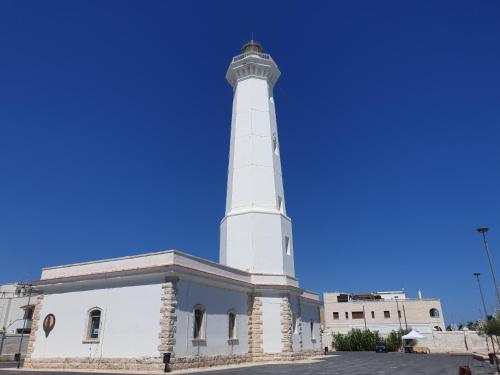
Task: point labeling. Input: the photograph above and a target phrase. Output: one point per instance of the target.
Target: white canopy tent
(413, 335)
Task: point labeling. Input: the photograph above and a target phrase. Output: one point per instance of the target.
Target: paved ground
(345, 364)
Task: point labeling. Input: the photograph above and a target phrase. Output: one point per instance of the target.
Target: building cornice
(255, 210)
(158, 265)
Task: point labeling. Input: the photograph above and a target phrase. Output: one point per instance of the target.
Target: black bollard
(166, 361)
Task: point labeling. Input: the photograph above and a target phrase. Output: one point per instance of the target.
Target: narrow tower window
(275, 144)
(287, 245)
(281, 207)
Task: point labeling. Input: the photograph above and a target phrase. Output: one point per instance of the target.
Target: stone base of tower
(156, 364)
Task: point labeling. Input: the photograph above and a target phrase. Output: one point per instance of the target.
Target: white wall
(455, 342)
(271, 324)
(383, 329)
(310, 313)
(129, 328)
(217, 303)
(256, 243)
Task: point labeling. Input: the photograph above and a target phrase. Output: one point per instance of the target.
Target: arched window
(437, 328)
(199, 323)
(434, 313)
(231, 325)
(94, 324)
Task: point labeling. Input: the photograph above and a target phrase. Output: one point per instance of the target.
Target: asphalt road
(344, 363)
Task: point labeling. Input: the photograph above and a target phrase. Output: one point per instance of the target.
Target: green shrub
(365, 340)
(393, 341)
(491, 327)
(356, 340)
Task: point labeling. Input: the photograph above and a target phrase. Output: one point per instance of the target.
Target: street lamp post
(477, 274)
(483, 231)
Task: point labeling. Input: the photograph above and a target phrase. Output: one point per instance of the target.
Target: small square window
(346, 315)
(387, 314)
(336, 315)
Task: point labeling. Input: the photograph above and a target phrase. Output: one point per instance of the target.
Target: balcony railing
(260, 54)
(389, 300)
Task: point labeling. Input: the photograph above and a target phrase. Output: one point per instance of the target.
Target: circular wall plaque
(48, 324)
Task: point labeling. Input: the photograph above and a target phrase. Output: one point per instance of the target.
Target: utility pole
(483, 231)
(399, 318)
(29, 289)
(364, 316)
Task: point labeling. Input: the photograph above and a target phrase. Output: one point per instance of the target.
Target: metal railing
(391, 300)
(246, 54)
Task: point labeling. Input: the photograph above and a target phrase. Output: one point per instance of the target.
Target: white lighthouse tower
(256, 233)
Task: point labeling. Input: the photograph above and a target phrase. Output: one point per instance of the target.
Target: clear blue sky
(115, 120)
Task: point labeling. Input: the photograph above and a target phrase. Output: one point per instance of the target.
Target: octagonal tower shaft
(256, 233)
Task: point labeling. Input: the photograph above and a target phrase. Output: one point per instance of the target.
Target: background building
(16, 312)
(382, 312)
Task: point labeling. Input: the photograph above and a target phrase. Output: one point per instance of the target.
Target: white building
(127, 312)
(382, 312)
(16, 311)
